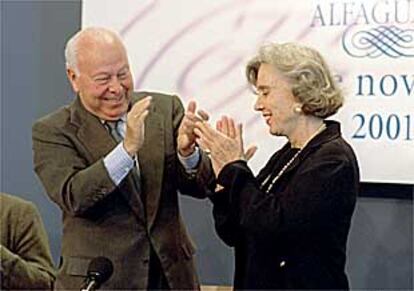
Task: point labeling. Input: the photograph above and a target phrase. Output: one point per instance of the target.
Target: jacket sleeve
(321, 194)
(28, 263)
(200, 183)
(70, 181)
(225, 212)
(225, 218)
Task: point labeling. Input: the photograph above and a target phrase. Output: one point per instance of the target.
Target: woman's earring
(298, 109)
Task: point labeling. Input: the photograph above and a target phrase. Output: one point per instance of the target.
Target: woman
(289, 225)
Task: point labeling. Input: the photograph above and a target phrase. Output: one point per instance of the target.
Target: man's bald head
(87, 41)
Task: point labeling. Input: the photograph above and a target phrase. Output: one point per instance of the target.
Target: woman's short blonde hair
(306, 71)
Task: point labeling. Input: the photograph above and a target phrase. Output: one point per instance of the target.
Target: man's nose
(115, 86)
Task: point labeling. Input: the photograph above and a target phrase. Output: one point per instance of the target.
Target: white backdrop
(198, 49)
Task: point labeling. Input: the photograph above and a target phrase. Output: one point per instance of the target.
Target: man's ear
(73, 79)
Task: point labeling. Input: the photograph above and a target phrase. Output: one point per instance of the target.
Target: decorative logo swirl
(380, 41)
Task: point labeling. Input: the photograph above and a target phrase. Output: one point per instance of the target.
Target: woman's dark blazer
(295, 236)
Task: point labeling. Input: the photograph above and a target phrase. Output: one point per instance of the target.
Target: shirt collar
(123, 118)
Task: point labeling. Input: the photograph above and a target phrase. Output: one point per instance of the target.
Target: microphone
(99, 271)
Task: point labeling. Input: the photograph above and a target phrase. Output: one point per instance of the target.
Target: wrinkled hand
(227, 126)
(225, 143)
(135, 126)
(186, 140)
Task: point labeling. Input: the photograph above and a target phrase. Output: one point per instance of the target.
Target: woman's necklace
(318, 131)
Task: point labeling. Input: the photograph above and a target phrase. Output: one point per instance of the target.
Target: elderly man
(113, 161)
(25, 257)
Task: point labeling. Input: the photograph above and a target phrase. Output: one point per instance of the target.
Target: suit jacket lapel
(331, 132)
(92, 134)
(98, 142)
(151, 161)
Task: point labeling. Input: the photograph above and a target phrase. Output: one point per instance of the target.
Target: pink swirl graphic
(221, 54)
